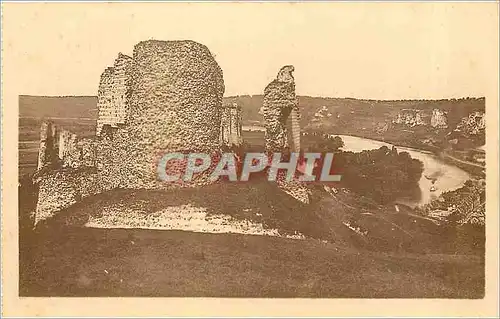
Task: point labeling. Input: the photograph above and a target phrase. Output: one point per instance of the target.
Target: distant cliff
(473, 124)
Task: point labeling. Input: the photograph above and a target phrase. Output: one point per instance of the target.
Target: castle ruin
(175, 105)
(166, 98)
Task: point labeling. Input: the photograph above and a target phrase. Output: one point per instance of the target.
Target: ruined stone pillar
(47, 152)
(279, 102)
(42, 150)
(64, 137)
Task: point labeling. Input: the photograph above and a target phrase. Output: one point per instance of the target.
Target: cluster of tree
(460, 231)
(462, 202)
(381, 174)
(317, 142)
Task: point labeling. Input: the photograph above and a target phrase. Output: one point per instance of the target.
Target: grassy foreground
(118, 262)
(402, 256)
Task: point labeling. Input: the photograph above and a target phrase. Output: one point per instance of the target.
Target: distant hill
(86, 107)
(58, 106)
(364, 118)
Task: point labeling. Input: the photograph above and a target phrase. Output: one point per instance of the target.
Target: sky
(360, 50)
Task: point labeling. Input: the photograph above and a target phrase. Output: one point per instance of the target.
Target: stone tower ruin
(281, 114)
(113, 97)
(48, 139)
(280, 102)
(176, 96)
(175, 105)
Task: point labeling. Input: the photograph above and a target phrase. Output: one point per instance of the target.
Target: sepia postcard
(250, 159)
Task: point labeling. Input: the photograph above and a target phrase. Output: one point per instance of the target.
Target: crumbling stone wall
(64, 143)
(79, 152)
(294, 137)
(167, 98)
(66, 171)
(105, 99)
(47, 152)
(59, 189)
(113, 98)
(279, 102)
(280, 109)
(231, 125)
(62, 148)
(43, 156)
(176, 104)
(114, 154)
(87, 152)
(72, 156)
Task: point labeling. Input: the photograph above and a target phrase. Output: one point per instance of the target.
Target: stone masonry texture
(175, 106)
(47, 152)
(113, 98)
(281, 106)
(62, 188)
(279, 101)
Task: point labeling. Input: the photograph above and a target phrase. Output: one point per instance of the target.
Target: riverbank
(476, 170)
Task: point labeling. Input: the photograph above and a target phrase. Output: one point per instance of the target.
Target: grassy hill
(401, 255)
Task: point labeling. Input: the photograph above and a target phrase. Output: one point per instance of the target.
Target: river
(449, 177)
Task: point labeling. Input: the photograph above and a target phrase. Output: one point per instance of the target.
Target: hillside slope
(399, 255)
